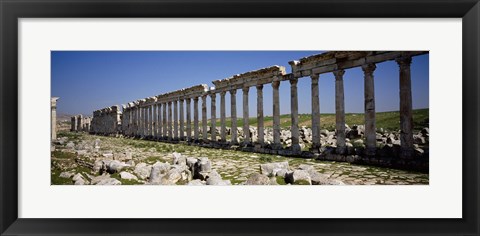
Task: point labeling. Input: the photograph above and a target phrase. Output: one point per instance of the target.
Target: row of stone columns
(166, 119)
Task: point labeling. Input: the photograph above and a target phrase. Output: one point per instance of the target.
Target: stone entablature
(106, 121)
(250, 79)
(341, 60)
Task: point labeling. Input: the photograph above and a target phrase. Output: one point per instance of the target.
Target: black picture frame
(11, 11)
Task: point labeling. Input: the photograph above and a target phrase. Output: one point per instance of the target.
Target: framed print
(262, 118)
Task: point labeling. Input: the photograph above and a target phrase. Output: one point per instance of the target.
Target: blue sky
(89, 80)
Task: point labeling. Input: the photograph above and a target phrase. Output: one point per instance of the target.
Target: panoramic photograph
(224, 118)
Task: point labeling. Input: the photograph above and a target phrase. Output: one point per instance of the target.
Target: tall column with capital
(260, 138)
(213, 116)
(276, 116)
(53, 117)
(204, 118)
(294, 114)
(315, 113)
(223, 133)
(142, 121)
(195, 118)
(175, 119)
(189, 120)
(170, 123)
(182, 132)
(233, 116)
(406, 118)
(370, 129)
(340, 111)
(246, 116)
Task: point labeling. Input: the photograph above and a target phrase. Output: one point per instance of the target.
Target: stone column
(154, 121)
(159, 122)
(213, 116)
(233, 116)
(260, 131)
(246, 126)
(53, 117)
(370, 129)
(189, 120)
(223, 133)
(142, 121)
(170, 123)
(150, 120)
(175, 120)
(406, 119)
(340, 111)
(195, 118)
(276, 116)
(165, 120)
(182, 132)
(138, 121)
(73, 123)
(315, 113)
(204, 118)
(294, 114)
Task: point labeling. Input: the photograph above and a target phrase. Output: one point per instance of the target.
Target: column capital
(222, 93)
(315, 78)
(369, 68)
(276, 84)
(404, 61)
(293, 81)
(339, 74)
(259, 86)
(233, 91)
(213, 96)
(195, 99)
(245, 89)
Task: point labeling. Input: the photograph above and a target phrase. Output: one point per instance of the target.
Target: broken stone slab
(268, 168)
(115, 166)
(258, 179)
(216, 179)
(66, 175)
(159, 170)
(105, 180)
(128, 176)
(178, 159)
(142, 170)
(298, 177)
(196, 182)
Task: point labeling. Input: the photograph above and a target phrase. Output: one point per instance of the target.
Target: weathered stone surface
(142, 170)
(258, 179)
(128, 176)
(159, 170)
(115, 166)
(196, 182)
(268, 169)
(300, 177)
(66, 175)
(105, 180)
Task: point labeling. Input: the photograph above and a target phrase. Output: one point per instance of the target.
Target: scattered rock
(267, 169)
(66, 175)
(258, 179)
(128, 176)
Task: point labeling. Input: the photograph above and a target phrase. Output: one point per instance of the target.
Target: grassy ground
(386, 120)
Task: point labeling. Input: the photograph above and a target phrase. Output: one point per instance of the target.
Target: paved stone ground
(236, 166)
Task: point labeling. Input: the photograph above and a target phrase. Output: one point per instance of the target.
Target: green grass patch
(63, 155)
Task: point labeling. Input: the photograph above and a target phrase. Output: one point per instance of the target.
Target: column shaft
(294, 114)
(170, 123)
(204, 119)
(260, 130)
(233, 116)
(182, 132)
(175, 119)
(340, 111)
(189, 120)
(406, 117)
(223, 133)
(246, 116)
(276, 116)
(154, 121)
(213, 116)
(315, 113)
(370, 129)
(195, 118)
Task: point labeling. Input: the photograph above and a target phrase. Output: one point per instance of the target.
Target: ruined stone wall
(106, 121)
